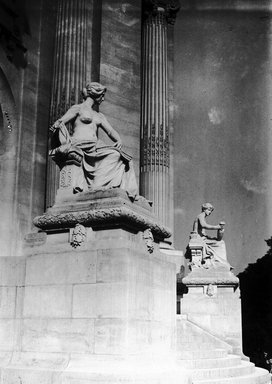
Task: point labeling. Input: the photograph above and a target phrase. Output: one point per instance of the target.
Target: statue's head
(95, 91)
(207, 207)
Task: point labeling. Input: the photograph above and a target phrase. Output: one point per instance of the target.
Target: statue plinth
(213, 303)
(102, 209)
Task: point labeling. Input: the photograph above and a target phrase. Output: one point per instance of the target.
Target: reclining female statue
(214, 249)
(100, 166)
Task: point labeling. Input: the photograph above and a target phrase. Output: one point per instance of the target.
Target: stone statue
(99, 166)
(208, 251)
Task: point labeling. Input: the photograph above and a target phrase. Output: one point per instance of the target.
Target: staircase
(211, 360)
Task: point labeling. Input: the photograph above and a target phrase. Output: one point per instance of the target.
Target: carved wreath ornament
(78, 235)
(149, 240)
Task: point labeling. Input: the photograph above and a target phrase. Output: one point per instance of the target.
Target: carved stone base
(220, 275)
(102, 209)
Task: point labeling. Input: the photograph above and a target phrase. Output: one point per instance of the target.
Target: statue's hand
(118, 144)
(55, 126)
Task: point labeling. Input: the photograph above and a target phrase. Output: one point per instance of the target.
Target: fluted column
(69, 70)
(155, 146)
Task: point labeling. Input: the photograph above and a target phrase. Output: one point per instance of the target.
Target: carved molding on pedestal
(102, 209)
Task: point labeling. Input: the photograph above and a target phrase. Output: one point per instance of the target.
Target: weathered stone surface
(12, 271)
(58, 335)
(22, 376)
(102, 209)
(63, 268)
(51, 301)
(113, 265)
(218, 276)
(111, 336)
(9, 329)
(7, 302)
(84, 301)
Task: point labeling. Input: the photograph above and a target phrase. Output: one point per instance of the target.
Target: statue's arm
(112, 133)
(205, 225)
(68, 116)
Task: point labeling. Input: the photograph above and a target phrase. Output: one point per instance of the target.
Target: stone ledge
(102, 209)
(218, 276)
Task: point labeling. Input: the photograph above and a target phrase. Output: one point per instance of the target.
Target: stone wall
(29, 87)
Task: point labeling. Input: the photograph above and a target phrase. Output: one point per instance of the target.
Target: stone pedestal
(213, 303)
(97, 305)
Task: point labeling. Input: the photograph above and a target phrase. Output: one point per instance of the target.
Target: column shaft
(69, 70)
(155, 115)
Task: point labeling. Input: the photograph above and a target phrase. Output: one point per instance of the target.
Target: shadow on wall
(256, 294)
(13, 26)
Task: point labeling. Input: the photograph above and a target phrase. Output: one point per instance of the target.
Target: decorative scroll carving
(78, 235)
(65, 177)
(149, 240)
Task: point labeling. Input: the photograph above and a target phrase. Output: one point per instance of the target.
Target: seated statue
(213, 249)
(99, 166)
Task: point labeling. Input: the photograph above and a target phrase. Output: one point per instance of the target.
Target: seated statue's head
(207, 208)
(95, 91)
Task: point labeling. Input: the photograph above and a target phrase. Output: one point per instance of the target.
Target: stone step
(218, 362)
(202, 354)
(244, 368)
(259, 376)
(208, 346)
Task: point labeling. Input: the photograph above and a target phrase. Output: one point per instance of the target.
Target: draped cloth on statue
(215, 250)
(100, 165)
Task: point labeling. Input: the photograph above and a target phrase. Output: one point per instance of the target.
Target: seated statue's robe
(215, 250)
(101, 166)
